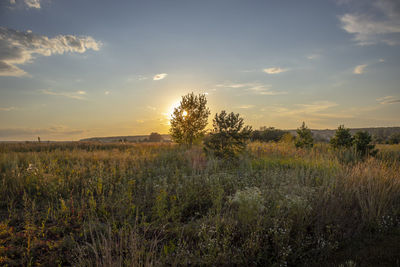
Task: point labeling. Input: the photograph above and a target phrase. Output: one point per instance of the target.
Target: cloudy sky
(74, 69)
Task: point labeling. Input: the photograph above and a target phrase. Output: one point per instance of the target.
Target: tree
(342, 138)
(155, 137)
(304, 137)
(189, 119)
(267, 134)
(229, 135)
(394, 138)
(362, 143)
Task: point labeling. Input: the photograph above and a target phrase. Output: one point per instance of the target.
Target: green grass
(92, 204)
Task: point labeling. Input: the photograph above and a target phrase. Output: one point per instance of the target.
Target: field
(92, 204)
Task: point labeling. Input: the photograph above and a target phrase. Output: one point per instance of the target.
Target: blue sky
(74, 69)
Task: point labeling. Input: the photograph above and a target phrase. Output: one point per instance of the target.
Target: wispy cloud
(360, 69)
(27, 3)
(32, 3)
(313, 56)
(233, 85)
(314, 110)
(246, 106)
(378, 21)
(79, 95)
(107, 92)
(253, 88)
(274, 70)
(160, 76)
(18, 48)
(388, 100)
(8, 109)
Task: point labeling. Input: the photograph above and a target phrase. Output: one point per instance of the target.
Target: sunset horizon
(108, 70)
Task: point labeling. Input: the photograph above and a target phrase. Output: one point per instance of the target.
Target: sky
(84, 68)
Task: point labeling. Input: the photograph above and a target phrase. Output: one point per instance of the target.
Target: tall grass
(158, 204)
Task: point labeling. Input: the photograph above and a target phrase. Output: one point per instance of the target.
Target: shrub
(304, 137)
(362, 143)
(342, 138)
(229, 136)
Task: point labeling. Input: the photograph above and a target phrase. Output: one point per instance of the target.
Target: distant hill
(129, 138)
(380, 133)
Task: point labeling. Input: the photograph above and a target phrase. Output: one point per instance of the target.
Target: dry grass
(158, 204)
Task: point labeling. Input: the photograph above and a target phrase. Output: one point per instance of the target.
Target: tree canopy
(304, 137)
(342, 138)
(229, 135)
(189, 119)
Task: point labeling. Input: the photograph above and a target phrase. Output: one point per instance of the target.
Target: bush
(362, 144)
(155, 137)
(229, 136)
(304, 137)
(267, 134)
(342, 138)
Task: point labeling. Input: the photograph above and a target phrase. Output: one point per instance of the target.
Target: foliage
(97, 204)
(362, 143)
(189, 119)
(394, 138)
(228, 137)
(155, 137)
(267, 134)
(342, 138)
(304, 137)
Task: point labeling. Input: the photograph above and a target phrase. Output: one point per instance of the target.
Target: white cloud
(313, 56)
(79, 95)
(246, 106)
(378, 22)
(274, 70)
(19, 48)
(232, 85)
(360, 69)
(253, 88)
(107, 92)
(8, 109)
(313, 112)
(28, 3)
(388, 100)
(160, 76)
(32, 3)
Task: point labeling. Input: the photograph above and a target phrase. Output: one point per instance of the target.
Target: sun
(184, 113)
(171, 109)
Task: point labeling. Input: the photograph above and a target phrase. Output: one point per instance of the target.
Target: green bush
(229, 136)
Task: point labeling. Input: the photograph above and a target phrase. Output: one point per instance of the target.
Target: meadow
(93, 204)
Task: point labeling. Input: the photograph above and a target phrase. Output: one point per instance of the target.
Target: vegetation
(92, 204)
(304, 137)
(342, 138)
(155, 137)
(362, 143)
(267, 134)
(189, 119)
(394, 139)
(229, 137)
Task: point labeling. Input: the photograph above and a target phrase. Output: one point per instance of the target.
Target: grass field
(92, 204)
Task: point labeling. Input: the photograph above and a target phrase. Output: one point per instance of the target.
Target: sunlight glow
(170, 111)
(184, 113)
